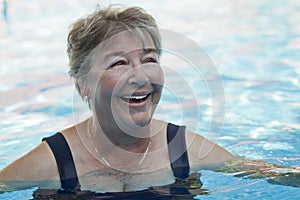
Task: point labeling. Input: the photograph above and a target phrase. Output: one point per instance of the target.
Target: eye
(149, 60)
(118, 63)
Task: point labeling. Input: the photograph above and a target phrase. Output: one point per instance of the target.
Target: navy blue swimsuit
(67, 171)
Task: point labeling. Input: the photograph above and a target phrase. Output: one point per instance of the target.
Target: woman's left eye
(149, 60)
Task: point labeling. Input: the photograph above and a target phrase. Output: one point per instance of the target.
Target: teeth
(135, 97)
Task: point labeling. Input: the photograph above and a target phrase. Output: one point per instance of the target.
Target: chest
(116, 181)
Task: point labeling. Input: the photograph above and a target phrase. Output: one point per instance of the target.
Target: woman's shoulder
(203, 153)
(72, 134)
(39, 164)
(36, 164)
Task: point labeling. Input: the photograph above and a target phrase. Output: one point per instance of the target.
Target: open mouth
(135, 98)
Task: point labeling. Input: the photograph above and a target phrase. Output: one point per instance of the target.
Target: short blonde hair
(87, 33)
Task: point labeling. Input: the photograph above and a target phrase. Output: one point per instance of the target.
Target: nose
(138, 76)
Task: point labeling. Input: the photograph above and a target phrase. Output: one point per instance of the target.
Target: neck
(121, 152)
(120, 138)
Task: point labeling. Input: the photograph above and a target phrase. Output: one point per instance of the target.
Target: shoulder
(38, 164)
(203, 153)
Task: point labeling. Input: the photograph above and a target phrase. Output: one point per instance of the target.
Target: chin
(140, 119)
(142, 123)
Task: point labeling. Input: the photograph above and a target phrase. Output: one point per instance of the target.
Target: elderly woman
(115, 62)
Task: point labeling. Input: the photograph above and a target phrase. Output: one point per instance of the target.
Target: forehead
(128, 41)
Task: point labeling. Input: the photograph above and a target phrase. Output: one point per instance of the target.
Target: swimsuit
(67, 171)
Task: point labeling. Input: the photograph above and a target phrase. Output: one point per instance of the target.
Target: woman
(114, 59)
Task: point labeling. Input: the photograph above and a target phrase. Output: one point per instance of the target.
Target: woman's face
(126, 80)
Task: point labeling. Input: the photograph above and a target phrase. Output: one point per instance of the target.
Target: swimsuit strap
(64, 161)
(178, 151)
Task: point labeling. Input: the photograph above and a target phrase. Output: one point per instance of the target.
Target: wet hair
(88, 32)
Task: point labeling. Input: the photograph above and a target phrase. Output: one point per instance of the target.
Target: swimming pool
(254, 45)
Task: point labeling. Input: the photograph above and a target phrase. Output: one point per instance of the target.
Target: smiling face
(125, 80)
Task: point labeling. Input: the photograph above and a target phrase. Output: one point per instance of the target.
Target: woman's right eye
(118, 63)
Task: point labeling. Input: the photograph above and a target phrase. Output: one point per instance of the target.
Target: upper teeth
(135, 97)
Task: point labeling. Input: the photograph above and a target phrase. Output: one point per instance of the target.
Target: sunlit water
(255, 46)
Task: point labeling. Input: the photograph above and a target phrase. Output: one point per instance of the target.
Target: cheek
(157, 76)
(162, 77)
(103, 95)
(108, 83)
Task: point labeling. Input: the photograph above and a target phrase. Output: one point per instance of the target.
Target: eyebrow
(119, 53)
(116, 53)
(150, 50)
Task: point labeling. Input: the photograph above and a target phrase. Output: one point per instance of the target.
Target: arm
(36, 168)
(274, 174)
(203, 153)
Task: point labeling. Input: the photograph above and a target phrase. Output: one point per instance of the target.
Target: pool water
(254, 45)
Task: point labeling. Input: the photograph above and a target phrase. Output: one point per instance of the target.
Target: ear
(82, 88)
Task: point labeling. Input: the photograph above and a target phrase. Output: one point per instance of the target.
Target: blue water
(255, 46)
